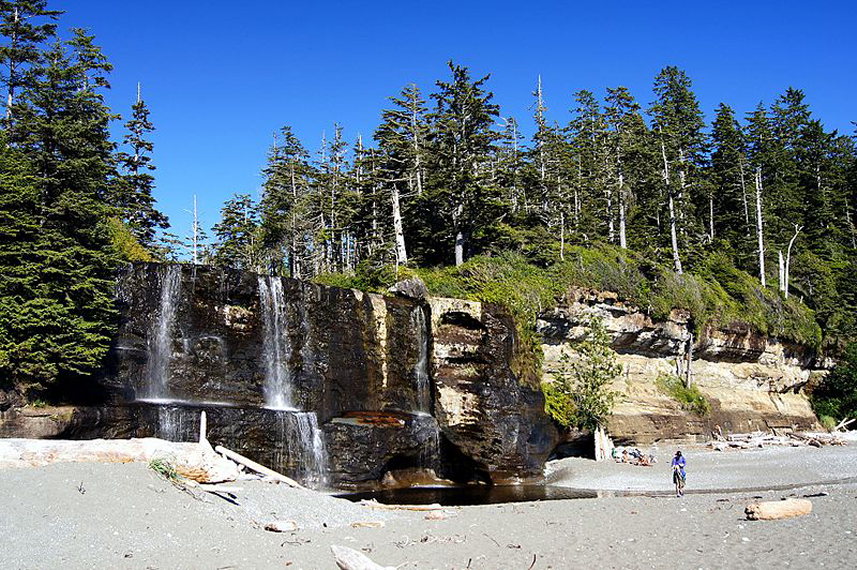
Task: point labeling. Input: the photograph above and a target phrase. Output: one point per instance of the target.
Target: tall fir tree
(24, 24)
(678, 123)
(236, 234)
(463, 139)
(730, 174)
(57, 292)
(133, 188)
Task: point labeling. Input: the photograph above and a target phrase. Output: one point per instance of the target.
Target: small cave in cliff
(463, 320)
(459, 467)
(574, 444)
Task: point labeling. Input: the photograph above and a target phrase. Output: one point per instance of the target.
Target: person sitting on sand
(679, 474)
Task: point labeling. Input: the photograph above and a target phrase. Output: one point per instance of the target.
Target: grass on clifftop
(717, 294)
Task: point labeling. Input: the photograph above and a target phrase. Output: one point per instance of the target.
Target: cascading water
(277, 347)
(430, 451)
(171, 423)
(302, 438)
(421, 374)
(309, 447)
(161, 342)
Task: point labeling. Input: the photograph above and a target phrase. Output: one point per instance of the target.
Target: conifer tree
(463, 140)
(58, 291)
(285, 229)
(729, 176)
(627, 156)
(133, 188)
(236, 234)
(677, 122)
(25, 24)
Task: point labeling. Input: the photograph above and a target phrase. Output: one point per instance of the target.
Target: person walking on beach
(679, 474)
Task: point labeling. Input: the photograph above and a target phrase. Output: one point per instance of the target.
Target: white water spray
(161, 343)
(277, 346)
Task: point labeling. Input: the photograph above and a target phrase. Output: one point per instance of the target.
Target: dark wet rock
(344, 352)
(494, 417)
(363, 449)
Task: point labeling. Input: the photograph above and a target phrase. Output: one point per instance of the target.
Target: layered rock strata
(752, 382)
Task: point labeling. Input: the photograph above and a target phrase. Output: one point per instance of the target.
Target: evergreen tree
(462, 142)
(595, 198)
(729, 177)
(628, 156)
(677, 122)
(133, 189)
(24, 24)
(402, 139)
(57, 291)
(236, 234)
(285, 230)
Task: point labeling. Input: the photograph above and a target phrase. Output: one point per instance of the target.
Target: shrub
(164, 468)
(688, 397)
(827, 422)
(836, 396)
(580, 393)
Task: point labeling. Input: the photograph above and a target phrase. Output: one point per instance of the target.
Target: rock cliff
(752, 382)
(293, 373)
(339, 387)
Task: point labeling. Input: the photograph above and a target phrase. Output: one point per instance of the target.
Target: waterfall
(303, 443)
(161, 343)
(277, 346)
(430, 450)
(421, 374)
(300, 434)
(171, 423)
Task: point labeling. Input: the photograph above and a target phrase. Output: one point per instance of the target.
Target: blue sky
(220, 77)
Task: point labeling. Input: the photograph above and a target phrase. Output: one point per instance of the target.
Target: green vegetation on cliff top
(717, 295)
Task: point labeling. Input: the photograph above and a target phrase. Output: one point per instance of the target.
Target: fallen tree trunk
(249, 463)
(382, 506)
(775, 510)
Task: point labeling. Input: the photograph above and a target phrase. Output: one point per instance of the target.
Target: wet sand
(85, 515)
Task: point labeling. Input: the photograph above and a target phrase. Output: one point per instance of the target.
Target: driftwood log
(384, 507)
(775, 510)
(349, 559)
(258, 468)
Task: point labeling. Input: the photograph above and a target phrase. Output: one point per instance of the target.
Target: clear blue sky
(220, 77)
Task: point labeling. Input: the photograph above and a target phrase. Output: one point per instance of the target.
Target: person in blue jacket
(679, 474)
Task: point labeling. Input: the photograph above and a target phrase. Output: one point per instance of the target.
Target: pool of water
(470, 495)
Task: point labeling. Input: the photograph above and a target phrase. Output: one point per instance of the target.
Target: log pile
(761, 440)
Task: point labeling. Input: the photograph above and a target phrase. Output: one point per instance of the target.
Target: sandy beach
(85, 515)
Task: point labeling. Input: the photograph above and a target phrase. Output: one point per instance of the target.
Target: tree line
(447, 176)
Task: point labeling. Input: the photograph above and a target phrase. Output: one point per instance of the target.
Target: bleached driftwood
(220, 489)
(382, 506)
(249, 463)
(759, 439)
(349, 559)
(775, 510)
(281, 526)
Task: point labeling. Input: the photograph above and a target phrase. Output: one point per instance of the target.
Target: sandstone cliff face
(752, 382)
(484, 409)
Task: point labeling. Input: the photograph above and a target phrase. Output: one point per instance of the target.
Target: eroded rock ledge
(753, 382)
